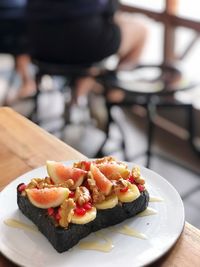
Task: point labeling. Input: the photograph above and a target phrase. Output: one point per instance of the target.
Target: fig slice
(47, 197)
(114, 171)
(60, 173)
(103, 184)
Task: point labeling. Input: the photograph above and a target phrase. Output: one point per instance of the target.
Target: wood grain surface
(25, 146)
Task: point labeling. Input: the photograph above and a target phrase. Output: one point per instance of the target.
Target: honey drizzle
(156, 199)
(126, 230)
(107, 246)
(20, 225)
(147, 212)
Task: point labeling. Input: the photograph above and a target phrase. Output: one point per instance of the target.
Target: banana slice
(109, 203)
(88, 217)
(129, 196)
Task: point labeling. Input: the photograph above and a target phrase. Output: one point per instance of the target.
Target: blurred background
(147, 113)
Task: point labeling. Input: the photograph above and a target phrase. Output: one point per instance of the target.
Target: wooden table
(25, 146)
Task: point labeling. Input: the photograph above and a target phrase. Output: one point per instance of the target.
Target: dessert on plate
(74, 201)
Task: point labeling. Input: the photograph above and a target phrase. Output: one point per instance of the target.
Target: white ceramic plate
(28, 248)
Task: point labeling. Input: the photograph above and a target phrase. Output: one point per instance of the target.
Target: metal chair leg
(191, 128)
(107, 129)
(151, 110)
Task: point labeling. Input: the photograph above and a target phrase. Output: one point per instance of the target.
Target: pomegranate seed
(21, 188)
(57, 217)
(71, 194)
(87, 206)
(140, 187)
(124, 190)
(80, 211)
(131, 179)
(50, 211)
(86, 165)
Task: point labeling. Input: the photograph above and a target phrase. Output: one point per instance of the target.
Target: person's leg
(83, 87)
(28, 86)
(133, 39)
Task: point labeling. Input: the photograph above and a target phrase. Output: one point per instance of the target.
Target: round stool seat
(60, 69)
(54, 68)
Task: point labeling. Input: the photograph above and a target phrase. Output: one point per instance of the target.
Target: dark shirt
(53, 9)
(12, 3)
(70, 31)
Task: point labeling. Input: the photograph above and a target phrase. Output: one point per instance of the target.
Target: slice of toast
(63, 239)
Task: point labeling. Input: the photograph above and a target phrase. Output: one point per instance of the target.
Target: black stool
(151, 100)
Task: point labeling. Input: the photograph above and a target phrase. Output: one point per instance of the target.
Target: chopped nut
(97, 196)
(32, 184)
(69, 183)
(137, 176)
(39, 183)
(82, 195)
(136, 172)
(78, 165)
(66, 212)
(120, 184)
(105, 159)
(47, 180)
(110, 159)
(140, 181)
(46, 183)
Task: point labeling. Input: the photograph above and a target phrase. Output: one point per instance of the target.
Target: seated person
(84, 32)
